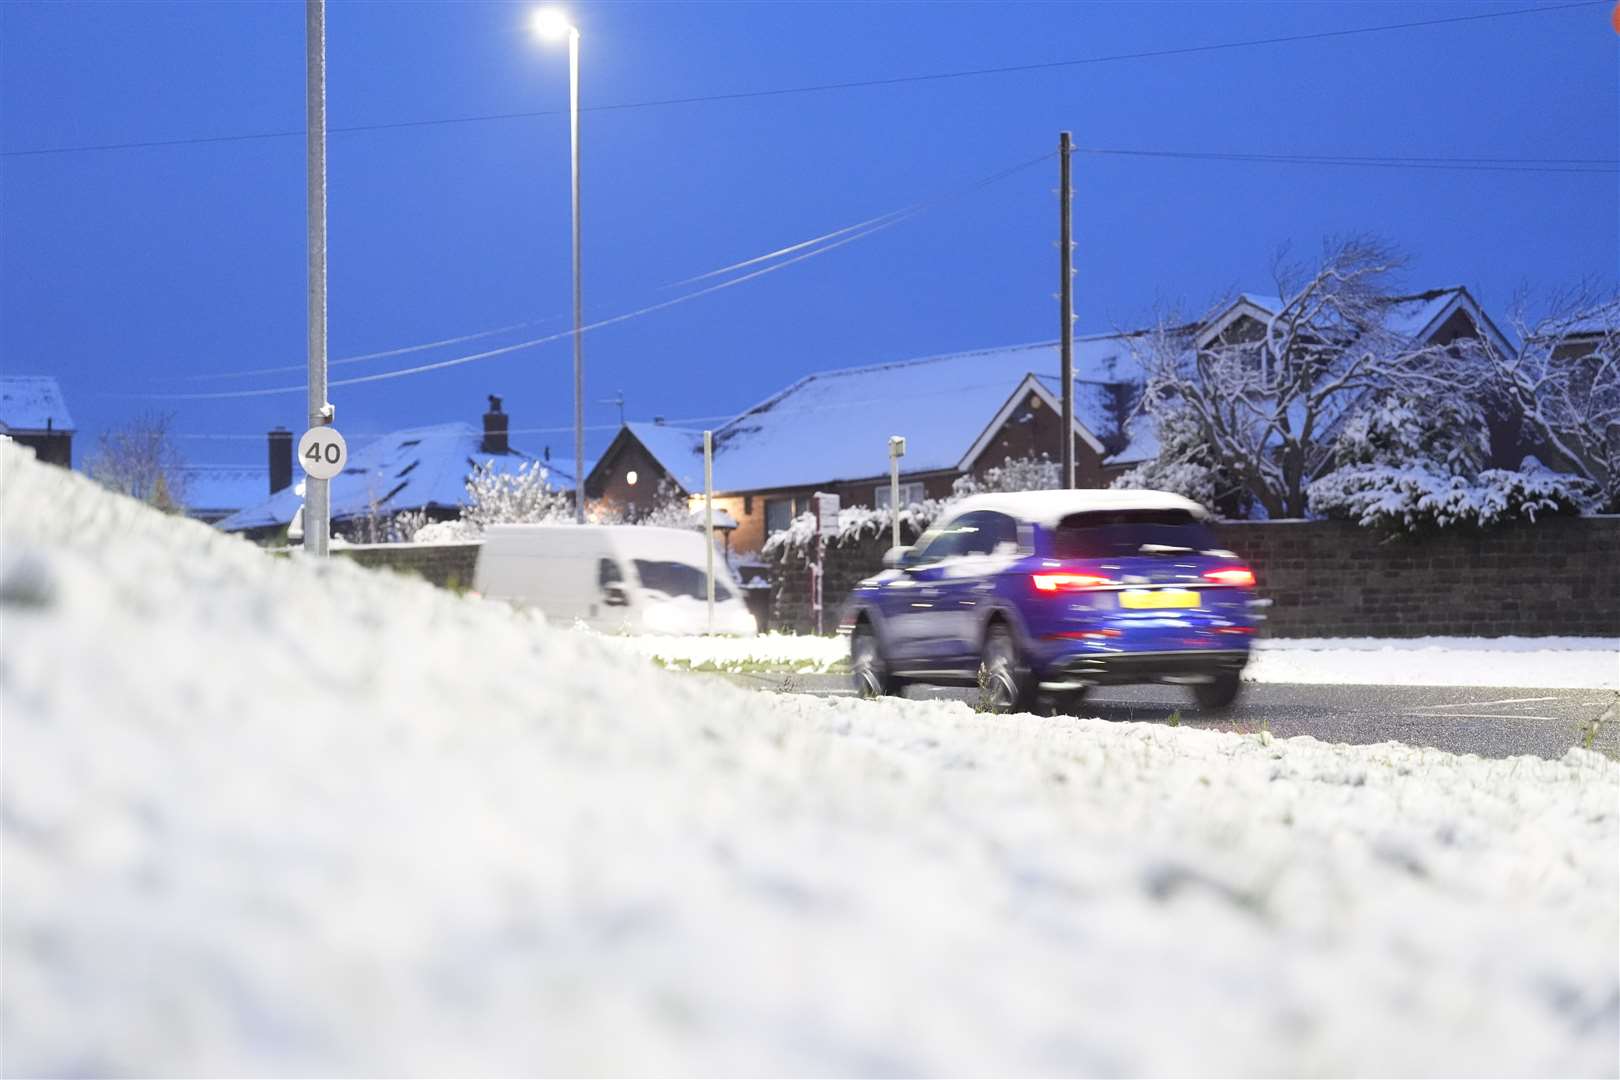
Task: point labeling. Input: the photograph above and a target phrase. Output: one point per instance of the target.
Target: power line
(816, 88)
(882, 222)
(1604, 166)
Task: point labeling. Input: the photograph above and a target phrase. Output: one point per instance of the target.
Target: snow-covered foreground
(1434, 661)
(265, 816)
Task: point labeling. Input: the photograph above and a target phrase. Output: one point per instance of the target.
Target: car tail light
(1232, 575)
(1067, 582)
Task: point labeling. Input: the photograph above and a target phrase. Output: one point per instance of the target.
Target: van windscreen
(678, 579)
(1118, 533)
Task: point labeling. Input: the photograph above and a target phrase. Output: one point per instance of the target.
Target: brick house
(829, 431)
(33, 413)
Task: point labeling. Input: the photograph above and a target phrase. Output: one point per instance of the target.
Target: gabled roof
(1416, 315)
(224, 488)
(679, 451)
(415, 469)
(31, 403)
(1594, 323)
(834, 426)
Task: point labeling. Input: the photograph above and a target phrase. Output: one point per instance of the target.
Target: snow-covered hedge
(855, 523)
(1418, 499)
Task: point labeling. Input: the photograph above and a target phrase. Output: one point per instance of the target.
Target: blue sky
(128, 272)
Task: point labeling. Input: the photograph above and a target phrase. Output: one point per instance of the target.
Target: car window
(989, 531)
(1116, 533)
(942, 542)
(678, 579)
(608, 573)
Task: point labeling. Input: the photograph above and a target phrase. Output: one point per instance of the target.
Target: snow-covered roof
(31, 402)
(678, 450)
(1604, 319)
(414, 469)
(835, 425)
(228, 488)
(1050, 507)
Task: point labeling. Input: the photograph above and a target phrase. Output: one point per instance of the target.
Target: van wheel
(1218, 694)
(1005, 682)
(868, 669)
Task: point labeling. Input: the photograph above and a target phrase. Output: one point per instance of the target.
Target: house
(421, 469)
(34, 413)
(960, 413)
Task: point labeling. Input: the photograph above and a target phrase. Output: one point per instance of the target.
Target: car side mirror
(615, 595)
(898, 558)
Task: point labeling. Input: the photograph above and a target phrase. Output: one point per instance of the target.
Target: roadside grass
(748, 667)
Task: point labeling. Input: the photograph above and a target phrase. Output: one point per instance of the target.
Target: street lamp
(552, 24)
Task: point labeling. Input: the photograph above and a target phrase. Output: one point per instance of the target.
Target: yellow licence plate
(1158, 598)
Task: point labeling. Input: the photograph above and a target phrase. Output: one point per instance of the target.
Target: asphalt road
(1488, 721)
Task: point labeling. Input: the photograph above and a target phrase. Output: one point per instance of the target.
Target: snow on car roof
(1050, 507)
(31, 402)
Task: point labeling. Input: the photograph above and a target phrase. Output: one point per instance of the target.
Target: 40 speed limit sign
(322, 452)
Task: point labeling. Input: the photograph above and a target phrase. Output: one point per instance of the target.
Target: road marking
(1477, 716)
(1498, 701)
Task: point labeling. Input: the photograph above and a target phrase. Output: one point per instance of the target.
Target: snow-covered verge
(269, 816)
(1545, 662)
(1553, 662)
(798, 653)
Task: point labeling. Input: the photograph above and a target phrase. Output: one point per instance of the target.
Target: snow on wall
(305, 819)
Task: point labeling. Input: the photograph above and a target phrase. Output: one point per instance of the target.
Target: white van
(634, 579)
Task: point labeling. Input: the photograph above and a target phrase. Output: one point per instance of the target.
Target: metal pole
(894, 491)
(317, 493)
(708, 514)
(1066, 301)
(579, 304)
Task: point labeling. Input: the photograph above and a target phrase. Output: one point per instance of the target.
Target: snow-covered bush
(1418, 499)
(1014, 474)
(855, 523)
(671, 509)
(445, 532)
(511, 498)
(1444, 435)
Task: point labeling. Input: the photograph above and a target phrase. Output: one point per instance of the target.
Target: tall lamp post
(552, 24)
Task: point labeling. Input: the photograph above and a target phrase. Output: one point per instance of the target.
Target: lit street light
(552, 24)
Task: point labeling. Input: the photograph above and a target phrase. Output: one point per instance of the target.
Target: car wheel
(868, 669)
(1005, 682)
(1220, 693)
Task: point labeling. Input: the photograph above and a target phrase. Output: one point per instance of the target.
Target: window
(678, 579)
(1115, 533)
(947, 541)
(987, 532)
(608, 573)
(778, 515)
(748, 505)
(910, 492)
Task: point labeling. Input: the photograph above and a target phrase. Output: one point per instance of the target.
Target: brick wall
(1329, 579)
(448, 566)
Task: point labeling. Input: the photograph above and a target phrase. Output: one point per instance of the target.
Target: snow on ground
(1554, 662)
(273, 816)
(1572, 662)
(803, 653)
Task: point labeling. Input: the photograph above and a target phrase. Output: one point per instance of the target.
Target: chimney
(495, 422)
(280, 459)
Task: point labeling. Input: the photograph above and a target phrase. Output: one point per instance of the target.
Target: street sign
(826, 515)
(322, 452)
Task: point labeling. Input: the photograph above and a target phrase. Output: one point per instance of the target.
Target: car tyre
(1006, 683)
(869, 668)
(1220, 693)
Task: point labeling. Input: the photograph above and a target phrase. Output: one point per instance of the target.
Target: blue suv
(1057, 592)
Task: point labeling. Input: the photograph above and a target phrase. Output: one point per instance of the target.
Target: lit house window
(630, 478)
(911, 492)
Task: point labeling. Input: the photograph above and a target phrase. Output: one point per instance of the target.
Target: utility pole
(579, 303)
(317, 492)
(1066, 302)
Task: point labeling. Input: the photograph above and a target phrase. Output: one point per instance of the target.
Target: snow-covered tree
(507, 498)
(1564, 383)
(1014, 474)
(1184, 466)
(1266, 406)
(139, 459)
(671, 509)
